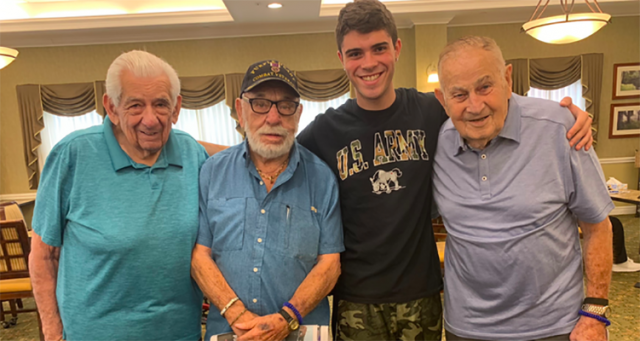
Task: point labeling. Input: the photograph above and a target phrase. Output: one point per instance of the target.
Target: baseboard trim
(18, 196)
(623, 210)
(615, 160)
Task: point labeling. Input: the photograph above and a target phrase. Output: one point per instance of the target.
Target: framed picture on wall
(625, 120)
(626, 80)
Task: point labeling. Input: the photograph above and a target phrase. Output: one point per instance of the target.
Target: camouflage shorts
(416, 320)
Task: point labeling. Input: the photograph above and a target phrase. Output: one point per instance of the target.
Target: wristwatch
(597, 309)
(293, 323)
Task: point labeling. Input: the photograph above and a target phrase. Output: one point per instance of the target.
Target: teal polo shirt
(125, 232)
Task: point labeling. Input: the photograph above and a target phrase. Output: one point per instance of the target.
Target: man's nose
(273, 116)
(149, 117)
(369, 61)
(476, 103)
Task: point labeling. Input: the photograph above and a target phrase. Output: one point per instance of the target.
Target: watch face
(294, 325)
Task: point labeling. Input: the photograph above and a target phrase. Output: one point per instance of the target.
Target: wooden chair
(14, 269)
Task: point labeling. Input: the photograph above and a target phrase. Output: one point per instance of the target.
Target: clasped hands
(271, 327)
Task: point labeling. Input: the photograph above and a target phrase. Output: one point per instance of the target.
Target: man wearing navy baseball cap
(268, 248)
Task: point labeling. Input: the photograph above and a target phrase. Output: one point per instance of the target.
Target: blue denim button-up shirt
(265, 244)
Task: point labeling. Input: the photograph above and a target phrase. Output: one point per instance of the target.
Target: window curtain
(592, 87)
(30, 106)
(520, 75)
(201, 92)
(100, 88)
(60, 99)
(555, 73)
(322, 85)
(232, 85)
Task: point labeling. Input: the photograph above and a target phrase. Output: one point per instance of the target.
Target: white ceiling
(28, 23)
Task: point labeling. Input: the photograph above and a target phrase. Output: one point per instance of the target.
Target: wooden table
(629, 196)
(20, 203)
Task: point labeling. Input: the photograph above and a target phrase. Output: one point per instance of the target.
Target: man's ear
(239, 112)
(108, 105)
(440, 97)
(341, 57)
(176, 110)
(507, 76)
(398, 46)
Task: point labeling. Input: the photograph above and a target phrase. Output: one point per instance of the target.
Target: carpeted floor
(623, 297)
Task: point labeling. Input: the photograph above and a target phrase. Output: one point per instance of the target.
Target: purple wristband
(594, 316)
(295, 311)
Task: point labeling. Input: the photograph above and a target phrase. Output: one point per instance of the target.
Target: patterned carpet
(624, 298)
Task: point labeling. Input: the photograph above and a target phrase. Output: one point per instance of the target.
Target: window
(213, 124)
(57, 127)
(573, 90)
(311, 109)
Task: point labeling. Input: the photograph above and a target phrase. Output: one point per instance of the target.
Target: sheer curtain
(57, 127)
(573, 90)
(311, 109)
(213, 124)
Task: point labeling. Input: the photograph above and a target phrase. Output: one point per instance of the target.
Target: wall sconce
(7, 56)
(432, 74)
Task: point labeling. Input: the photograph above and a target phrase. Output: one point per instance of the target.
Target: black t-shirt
(383, 161)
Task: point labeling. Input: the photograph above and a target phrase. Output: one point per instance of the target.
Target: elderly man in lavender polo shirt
(511, 195)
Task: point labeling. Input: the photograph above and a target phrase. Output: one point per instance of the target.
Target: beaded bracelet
(597, 317)
(295, 311)
(233, 300)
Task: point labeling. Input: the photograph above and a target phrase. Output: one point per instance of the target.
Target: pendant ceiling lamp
(7, 56)
(566, 28)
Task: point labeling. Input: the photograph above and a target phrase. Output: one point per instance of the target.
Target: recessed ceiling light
(274, 5)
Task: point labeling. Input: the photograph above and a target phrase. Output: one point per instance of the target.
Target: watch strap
(295, 311)
(596, 301)
(287, 318)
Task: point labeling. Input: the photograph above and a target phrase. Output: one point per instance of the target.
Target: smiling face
(369, 60)
(143, 118)
(475, 93)
(269, 135)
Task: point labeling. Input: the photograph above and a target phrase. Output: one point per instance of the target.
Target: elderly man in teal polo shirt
(270, 238)
(117, 214)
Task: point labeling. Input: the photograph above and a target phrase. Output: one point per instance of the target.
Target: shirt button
(483, 156)
(484, 178)
(255, 269)
(262, 211)
(259, 240)
(261, 183)
(255, 300)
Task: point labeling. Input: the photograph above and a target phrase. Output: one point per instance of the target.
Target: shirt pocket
(303, 233)
(226, 218)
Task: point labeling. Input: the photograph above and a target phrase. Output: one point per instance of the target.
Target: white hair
(141, 64)
(479, 42)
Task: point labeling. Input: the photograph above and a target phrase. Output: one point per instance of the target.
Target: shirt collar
(119, 158)
(510, 130)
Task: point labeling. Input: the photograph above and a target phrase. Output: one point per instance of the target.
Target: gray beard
(270, 151)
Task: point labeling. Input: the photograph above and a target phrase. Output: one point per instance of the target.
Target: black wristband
(597, 301)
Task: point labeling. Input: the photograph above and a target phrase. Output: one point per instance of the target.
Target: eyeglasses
(262, 106)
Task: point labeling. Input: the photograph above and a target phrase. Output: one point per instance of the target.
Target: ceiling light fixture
(7, 56)
(274, 5)
(566, 28)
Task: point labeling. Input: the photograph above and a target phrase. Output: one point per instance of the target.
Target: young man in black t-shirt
(381, 147)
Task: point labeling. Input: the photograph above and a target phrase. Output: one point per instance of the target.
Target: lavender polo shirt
(513, 261)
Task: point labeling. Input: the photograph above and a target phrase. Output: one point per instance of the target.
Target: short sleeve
(54, 190)
(588, 196)
(331, 234)
(205, 237)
